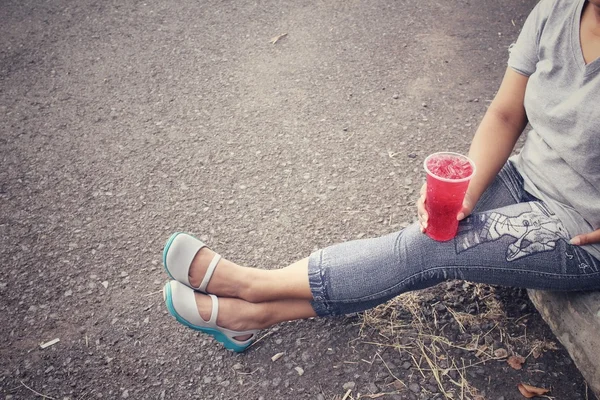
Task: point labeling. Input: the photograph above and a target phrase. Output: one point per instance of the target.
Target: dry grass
(423, 326)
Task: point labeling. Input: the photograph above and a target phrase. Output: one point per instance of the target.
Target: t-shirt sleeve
(524, 52)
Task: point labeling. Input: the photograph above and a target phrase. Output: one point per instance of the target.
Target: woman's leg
(252, 284)
(241, 315)
(521, 245)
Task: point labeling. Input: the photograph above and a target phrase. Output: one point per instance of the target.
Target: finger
(423, 190)
(466, 209)
(586, 238)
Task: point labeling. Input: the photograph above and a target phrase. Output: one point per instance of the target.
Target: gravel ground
(125, 121)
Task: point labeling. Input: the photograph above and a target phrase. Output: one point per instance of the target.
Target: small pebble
(414, 387)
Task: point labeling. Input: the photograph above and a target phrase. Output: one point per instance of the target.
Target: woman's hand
(586, 238)
(421, 212)
(467, 208)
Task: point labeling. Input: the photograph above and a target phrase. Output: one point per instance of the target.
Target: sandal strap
(209, 273)
(215, 310)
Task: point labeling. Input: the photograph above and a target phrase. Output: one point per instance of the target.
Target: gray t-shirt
(560, 160)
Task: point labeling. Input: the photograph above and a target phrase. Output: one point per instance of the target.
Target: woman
(530, 221)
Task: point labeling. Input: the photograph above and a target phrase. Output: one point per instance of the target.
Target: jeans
(510, 239)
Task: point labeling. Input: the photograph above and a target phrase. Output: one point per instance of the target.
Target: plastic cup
(448, 176)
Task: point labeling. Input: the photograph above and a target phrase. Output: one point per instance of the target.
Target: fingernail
(576, 241)
(460, 216)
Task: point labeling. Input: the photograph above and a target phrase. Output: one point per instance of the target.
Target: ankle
(240, 315)
(246, 287)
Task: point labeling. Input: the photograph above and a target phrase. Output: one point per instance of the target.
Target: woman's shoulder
(553, 12)
(558, 7)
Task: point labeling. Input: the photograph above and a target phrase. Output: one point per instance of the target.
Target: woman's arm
(493, 142)
(496, 136)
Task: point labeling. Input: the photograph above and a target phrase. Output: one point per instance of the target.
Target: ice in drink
(448, 176)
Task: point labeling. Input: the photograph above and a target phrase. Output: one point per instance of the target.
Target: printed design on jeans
(585, 264)
(535, 231)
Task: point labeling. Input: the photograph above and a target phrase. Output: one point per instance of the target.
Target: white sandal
(179, 252)
(181, 304)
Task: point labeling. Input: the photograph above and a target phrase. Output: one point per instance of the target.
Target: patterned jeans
(511, 239)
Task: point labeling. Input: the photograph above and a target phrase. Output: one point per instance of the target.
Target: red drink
(448, 176)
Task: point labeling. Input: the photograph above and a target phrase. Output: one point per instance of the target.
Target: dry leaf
(515, 361)
(399, 385)
(531, 391)
(501, 353)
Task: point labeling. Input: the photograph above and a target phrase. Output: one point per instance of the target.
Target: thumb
(586, 238)
(466, 209)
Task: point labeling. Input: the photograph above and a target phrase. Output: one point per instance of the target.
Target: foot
(234, 314)
(224, 279)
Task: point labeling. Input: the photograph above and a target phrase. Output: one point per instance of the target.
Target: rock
(349, 385)
(372, 387)
(299, 370)
(414, 387)
(105, 284)
(395, 96)
(69, 293)
(305, 356)
(501, 353)
(125, 394)
(575, 320)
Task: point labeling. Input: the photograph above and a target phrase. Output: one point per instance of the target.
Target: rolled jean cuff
(320, 302)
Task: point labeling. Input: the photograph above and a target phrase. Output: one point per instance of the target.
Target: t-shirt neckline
(576, 43)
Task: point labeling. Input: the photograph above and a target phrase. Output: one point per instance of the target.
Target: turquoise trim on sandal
(166, 250)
